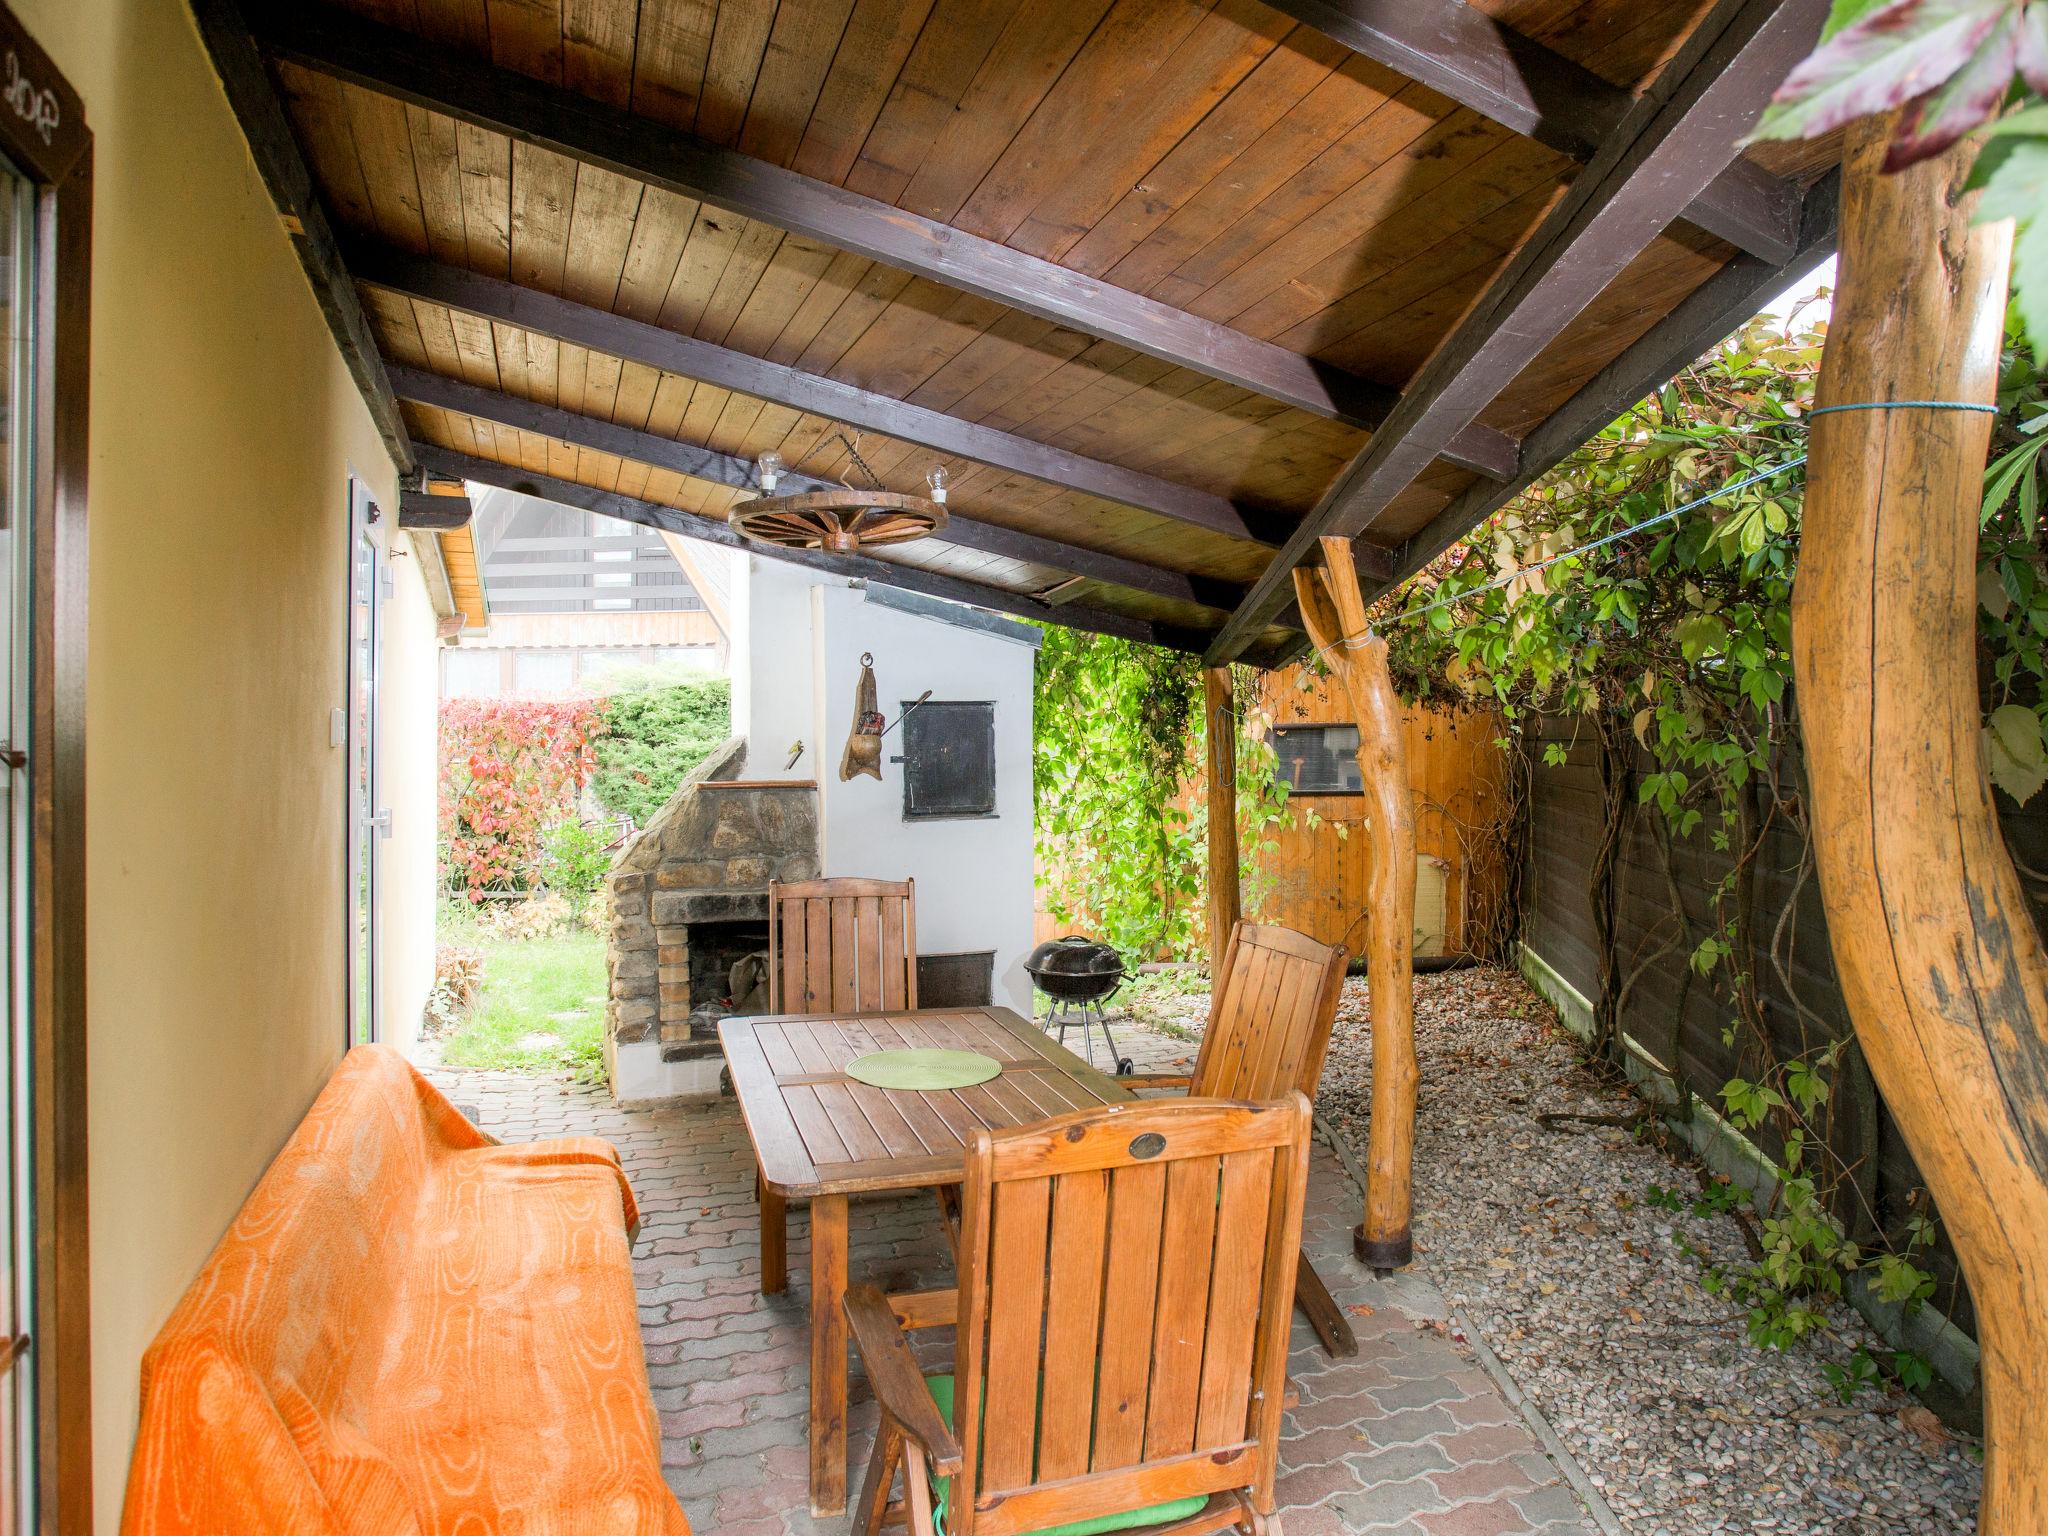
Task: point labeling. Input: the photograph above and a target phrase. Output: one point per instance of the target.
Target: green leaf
(2013, 745)
(1700, 633)
(1991, 593)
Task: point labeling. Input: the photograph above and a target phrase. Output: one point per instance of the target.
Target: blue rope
(1902, 405)
(1619, 534)
(1674, 512)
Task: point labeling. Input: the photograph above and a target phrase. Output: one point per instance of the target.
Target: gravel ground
(1543, 1237)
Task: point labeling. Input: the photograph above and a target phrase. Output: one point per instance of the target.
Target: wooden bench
(408, 1329)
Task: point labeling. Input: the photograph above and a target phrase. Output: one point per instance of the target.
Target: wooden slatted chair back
(844, 945)
(1270, 1018)
(1126, 1290)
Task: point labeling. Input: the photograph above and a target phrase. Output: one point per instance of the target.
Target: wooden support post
(1334, 612)
(1945, 976)
(1219, 714)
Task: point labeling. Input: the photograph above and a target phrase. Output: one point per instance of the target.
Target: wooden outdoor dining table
(820, 1136)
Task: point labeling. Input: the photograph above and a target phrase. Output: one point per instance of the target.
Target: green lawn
(540, 1008)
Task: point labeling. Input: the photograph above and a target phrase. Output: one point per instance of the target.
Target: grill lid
(1074, 956)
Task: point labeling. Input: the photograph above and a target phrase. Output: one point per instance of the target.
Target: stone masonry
(706, 858)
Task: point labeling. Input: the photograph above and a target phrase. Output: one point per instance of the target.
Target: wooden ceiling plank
(470, 294)
(601, 221)
(543, 192)
(1240, 121)
(526, 35)
(711, 530)
(739, 39)
(670, 49)
(801, 47)
(878, 38)
(1673, 141)
(397, 64)
(595, 435)
(484, 162)
(1718, 307)
(1040, 46)
(1458, 50)
(1130, 131)
(282, 167)
(597, 48)
(1420, 171)
(1320, 123)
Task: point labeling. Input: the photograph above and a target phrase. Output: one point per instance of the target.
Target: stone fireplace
(689, 900)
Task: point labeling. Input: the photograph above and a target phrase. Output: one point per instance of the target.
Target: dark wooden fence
(1680, 1017)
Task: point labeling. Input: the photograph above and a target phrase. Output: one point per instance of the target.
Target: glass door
(368, 823)
(17, 501)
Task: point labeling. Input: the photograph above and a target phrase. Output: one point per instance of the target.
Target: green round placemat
(923, 1068)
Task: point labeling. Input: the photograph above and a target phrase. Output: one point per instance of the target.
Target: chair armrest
(925, 1309)
(1180, 1080)
(898, 1383)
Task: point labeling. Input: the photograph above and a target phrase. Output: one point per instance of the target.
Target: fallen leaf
(1923, 1423)
(1359, 1309)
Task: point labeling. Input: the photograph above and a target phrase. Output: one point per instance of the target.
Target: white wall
(774, 703)
(806, 638)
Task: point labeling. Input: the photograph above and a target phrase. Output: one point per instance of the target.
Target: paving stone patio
(1409, 1438)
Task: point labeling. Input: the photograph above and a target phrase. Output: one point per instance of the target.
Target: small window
(472, 674)
(543, 671)
(949, 760)
(1318, 759)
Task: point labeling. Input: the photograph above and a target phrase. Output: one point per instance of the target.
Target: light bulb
(771, 470)
(938, 480)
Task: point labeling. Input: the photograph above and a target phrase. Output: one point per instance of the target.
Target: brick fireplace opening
(689, 901)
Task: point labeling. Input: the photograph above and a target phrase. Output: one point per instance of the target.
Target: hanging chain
(853, 452)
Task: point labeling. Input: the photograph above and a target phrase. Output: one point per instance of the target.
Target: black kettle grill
(1077, 975)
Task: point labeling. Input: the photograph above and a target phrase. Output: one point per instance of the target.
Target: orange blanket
(408, 1331)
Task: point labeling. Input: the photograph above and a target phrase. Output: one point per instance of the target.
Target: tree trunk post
(1944, 974)
(1219, 715)
(1334, 612)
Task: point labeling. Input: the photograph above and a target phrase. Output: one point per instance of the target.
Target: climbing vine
(1122, 836)
(1668, 648)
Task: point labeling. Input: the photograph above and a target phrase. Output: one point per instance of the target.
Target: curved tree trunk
(1945, 976)
(1334, 612)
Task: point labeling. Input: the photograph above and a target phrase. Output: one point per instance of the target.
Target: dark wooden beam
(1674, 140)
(428, 512)
(703, 463)
(690, 525)
(1723, 304)
(1459, 51)
(444, 81)
(283, 168)
(656, 346)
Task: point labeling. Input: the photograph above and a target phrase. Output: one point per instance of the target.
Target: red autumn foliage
(510, 768)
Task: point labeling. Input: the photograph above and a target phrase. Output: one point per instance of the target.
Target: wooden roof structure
(1171, 288)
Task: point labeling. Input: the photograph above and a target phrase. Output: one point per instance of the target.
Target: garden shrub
(574, 857)
(510, 769)
(654, 732)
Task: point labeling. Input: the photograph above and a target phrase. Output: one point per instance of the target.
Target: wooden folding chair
(1270, 1015)
(834, 946)
(1122, 1321)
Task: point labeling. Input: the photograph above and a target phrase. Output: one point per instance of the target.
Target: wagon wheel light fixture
(841, 521)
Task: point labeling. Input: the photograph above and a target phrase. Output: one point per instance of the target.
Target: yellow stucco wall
(224, 426)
